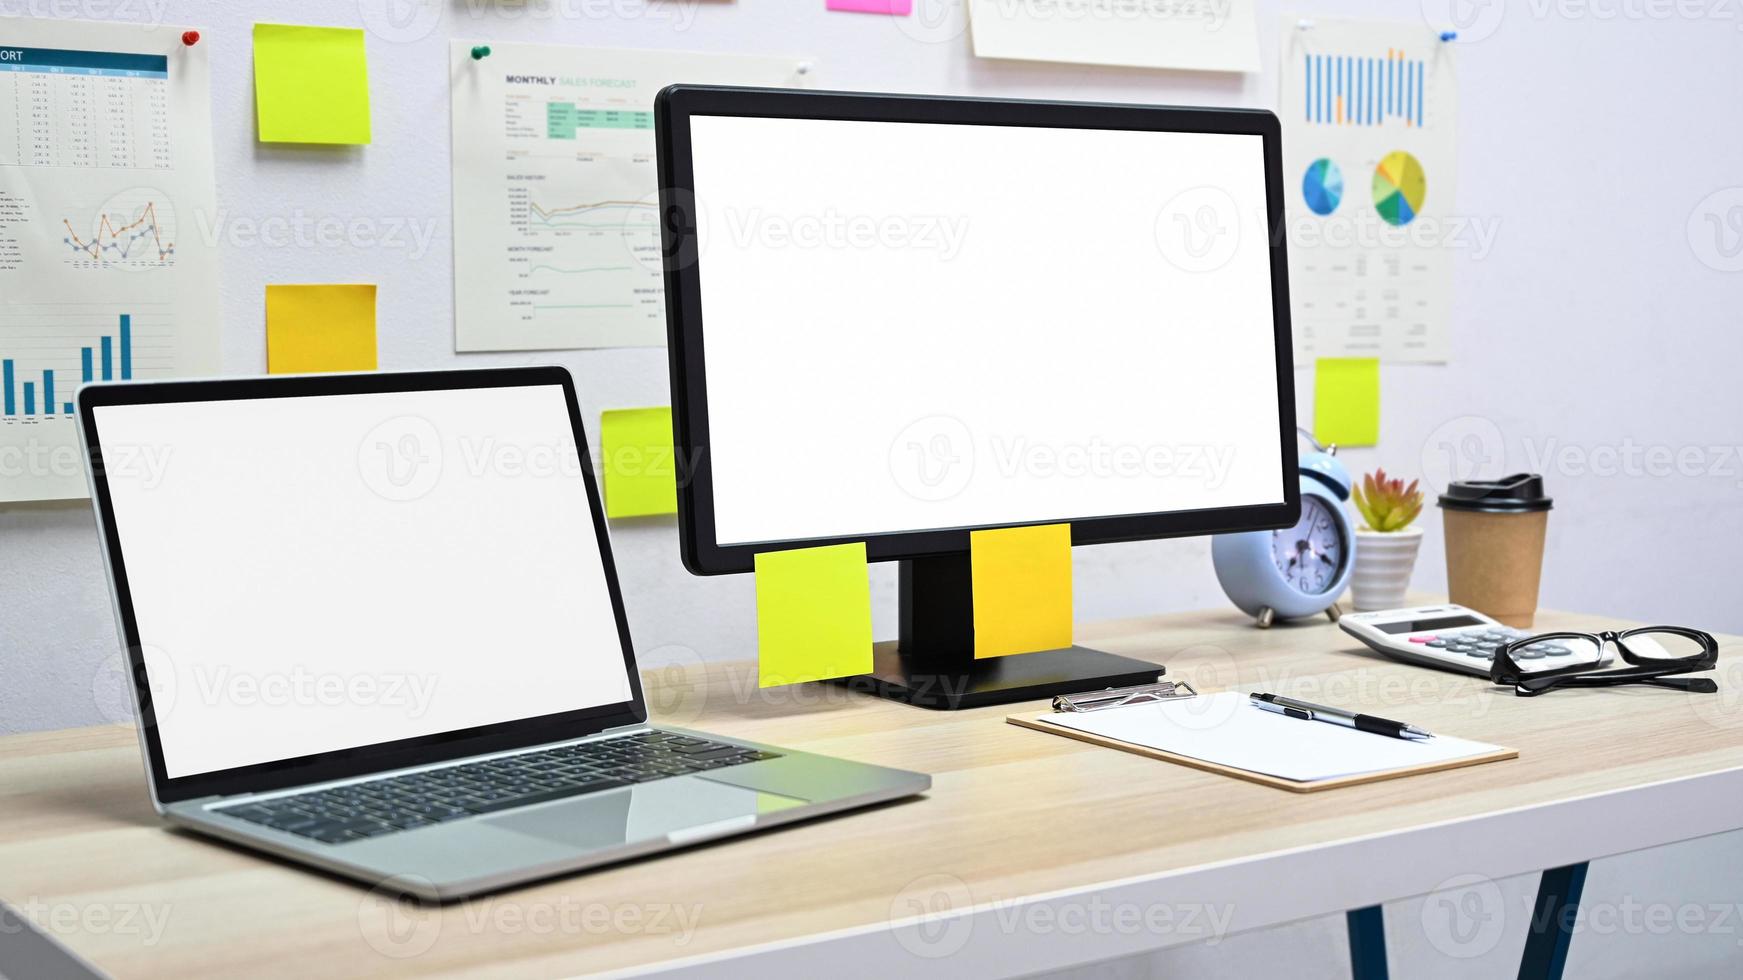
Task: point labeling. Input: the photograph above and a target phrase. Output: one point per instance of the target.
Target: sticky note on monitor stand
(311, 84)
(1022, 589)
(1346, 401)
(900, 8)
(813, 614)
(320, 328)
(641, 475)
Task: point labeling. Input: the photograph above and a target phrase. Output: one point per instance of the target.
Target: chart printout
(1369, 170)
(1196, 35)
(105, 186)
(556, 232)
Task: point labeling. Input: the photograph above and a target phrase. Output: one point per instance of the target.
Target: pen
(1337, 716)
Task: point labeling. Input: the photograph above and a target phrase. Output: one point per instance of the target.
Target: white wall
(1592, 133)
(1589, 327)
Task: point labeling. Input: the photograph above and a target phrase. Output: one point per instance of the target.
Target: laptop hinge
(618, 729)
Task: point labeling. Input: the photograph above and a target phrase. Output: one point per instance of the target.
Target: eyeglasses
(1653, 655)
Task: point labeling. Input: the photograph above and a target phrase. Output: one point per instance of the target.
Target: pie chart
(1399, 188)
(1323, 187)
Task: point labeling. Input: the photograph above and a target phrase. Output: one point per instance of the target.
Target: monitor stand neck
(935, 611)
(933, 663)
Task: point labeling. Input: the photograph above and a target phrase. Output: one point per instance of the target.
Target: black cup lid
(1521, 493)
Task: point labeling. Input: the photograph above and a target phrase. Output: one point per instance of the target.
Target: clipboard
(1102, 701)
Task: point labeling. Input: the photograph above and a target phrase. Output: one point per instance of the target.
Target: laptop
(373, 626)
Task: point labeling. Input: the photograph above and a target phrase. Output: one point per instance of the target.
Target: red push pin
(190, 38)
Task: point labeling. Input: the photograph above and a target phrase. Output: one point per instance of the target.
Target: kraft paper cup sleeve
(1494, 562)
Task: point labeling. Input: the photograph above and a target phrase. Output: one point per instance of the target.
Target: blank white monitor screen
(318, 573)
(916, 326)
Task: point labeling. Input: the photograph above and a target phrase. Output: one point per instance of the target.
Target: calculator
(1455, 638)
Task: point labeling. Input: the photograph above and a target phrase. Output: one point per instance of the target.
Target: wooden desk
(1047, 852)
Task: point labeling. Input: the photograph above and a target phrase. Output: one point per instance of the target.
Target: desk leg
(1367, 943)
(1552, 922)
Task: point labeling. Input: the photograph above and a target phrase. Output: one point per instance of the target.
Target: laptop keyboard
(369, 809)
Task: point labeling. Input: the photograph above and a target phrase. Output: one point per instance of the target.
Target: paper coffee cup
(1495, 533)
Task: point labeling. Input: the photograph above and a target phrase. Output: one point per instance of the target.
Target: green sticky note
(641, 475)
(311, 84)
(813, 614)
(1346, 401)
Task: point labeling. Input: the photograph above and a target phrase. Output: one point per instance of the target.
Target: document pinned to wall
(556, 207)
(1198, 35)
(105, 181)
(1370, 168)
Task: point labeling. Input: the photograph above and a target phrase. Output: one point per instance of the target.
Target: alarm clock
(1297, 571)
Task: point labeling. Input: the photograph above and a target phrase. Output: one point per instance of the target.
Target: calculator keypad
(1479, 643)
(1467, 648)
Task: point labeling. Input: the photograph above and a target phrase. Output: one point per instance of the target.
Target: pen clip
(1282, 706)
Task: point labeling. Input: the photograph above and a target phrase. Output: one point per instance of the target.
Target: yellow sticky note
(1346, 401)
(320, 328)
(813, 614)
(311, 84)
(641, 476)
(1022, 589)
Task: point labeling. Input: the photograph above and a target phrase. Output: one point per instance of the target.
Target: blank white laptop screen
(916, 326)
(320, 573)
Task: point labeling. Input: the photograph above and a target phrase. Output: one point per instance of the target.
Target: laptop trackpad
(683, 808)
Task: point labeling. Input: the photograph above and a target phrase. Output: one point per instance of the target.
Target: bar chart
(1350, 90)
(39, 375)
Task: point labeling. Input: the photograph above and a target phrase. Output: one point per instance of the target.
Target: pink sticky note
(899, 8)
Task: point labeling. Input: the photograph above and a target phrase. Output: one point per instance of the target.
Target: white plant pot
(1383, 566)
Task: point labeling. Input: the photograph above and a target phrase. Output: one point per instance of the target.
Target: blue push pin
(1444, 36)
(480, 52)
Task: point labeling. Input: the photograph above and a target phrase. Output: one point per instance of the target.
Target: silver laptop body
(285, 553)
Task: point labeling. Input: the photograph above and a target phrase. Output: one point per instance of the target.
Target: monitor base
(998, 680)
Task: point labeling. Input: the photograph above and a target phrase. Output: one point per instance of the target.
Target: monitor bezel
(364, 759)
(674, 108)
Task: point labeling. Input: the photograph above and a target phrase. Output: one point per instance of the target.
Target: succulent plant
(1387, 504)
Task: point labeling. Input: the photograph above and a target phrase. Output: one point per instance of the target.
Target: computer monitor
(899, 319)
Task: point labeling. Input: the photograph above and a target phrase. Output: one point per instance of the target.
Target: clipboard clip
(1115, 697)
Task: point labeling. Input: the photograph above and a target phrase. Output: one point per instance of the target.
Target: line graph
(615, 215)
(583, 258)
(576, 272)
(122, 239)
(131, 230)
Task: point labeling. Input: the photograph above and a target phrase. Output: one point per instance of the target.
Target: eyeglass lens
(1661, 645)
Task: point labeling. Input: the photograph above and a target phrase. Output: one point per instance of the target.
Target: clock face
(1310, 553)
